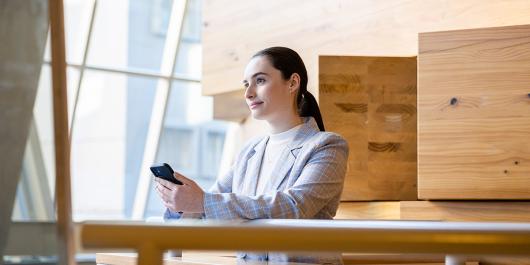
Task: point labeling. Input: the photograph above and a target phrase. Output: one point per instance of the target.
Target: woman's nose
(249, 92)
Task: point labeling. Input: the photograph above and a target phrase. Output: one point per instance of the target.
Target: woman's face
(267, 94)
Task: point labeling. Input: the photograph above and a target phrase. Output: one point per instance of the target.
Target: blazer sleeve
(223, 184)
(320, 182)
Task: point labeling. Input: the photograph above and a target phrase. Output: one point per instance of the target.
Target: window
(122, 80)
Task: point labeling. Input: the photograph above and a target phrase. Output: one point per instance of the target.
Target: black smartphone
(164, 171)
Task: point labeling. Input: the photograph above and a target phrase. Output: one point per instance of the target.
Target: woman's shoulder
(328, 137)
(327, 140)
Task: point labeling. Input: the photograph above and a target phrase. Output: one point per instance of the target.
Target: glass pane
(213, 149)
(36, 188)
(77, 15)
(191, 141)
(189, 58)
(108, 141)
(73, 86)
(140, 97)
(43, 116)
(129, 34)
(47, 51)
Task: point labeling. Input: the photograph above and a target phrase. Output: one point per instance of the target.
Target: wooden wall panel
(368, 210)
(474, 114)
(230, 106)
(371, 101)
(233, 30)
(490, 211)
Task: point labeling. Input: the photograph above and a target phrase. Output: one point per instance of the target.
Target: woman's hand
(188, 197)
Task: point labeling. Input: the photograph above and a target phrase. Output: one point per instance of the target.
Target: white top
(275, 146)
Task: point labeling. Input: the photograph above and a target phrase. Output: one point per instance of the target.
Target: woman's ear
(294, 82)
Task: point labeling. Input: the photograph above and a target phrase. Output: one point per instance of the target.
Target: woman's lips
(254, 105)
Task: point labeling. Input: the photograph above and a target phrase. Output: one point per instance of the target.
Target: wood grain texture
(491, 211)
(474, 114)
(368, 210)
(233, 30)
(371, 101)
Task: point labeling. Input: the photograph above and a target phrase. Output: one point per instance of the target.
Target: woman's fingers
(166, 184)
(166, 192)
(162, 195)
(173, 196)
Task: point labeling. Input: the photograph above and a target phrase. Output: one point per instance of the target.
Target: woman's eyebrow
(258, 73)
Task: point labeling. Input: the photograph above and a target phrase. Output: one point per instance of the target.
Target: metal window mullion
(169, 59)
(141, 73)
(82, 68)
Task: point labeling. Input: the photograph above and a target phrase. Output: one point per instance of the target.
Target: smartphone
(164, 171)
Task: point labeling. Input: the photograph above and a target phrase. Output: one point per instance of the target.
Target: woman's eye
(260, 81)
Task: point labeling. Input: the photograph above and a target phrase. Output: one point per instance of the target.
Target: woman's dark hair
(289, 62)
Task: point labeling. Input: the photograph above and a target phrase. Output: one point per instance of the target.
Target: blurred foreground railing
(454, 238)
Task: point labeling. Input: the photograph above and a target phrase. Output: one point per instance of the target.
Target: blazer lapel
(253, 167)
(283, 166)
(288, 156)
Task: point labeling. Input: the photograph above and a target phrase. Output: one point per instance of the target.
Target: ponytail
(289, 62)
(308, 106)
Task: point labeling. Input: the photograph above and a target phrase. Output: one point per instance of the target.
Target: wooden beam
(66, 251)
(314, 235)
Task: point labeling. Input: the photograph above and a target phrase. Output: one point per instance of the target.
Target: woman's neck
(284, 123)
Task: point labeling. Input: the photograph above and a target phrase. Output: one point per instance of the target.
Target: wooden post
(149, 254)
(66, 250)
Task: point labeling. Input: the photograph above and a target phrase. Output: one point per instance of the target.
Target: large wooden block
(474, 114)
(371, 101)
(230, 106)
(368, 210)
(469, 211)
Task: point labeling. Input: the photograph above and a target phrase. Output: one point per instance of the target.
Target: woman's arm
(320, 182)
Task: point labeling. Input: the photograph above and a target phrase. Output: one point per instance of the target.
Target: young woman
(297, 171)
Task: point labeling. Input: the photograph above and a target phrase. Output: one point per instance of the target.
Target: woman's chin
(257, 115)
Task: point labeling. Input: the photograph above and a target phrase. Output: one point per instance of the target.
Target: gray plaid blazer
(312, 171)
